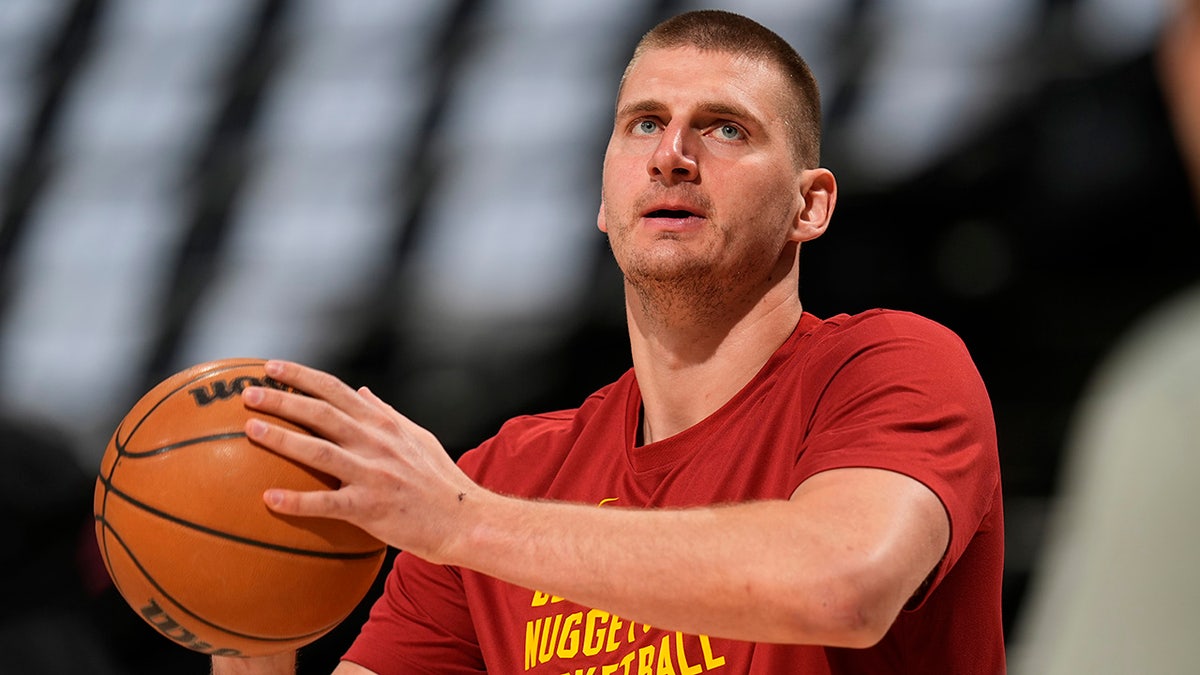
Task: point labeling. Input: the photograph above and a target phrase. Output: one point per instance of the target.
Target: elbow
(846, 612)
(855, 619)
(859, 625)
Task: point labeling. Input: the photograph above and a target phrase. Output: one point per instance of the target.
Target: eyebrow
(640, 107)
(717, 108)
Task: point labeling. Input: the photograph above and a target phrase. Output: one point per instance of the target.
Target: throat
(644, 437)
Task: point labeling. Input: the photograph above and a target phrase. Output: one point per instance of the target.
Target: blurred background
(404, 192)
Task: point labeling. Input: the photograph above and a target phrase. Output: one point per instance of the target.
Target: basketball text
(221, 390)
(171, 628)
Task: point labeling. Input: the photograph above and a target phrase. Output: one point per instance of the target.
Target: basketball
(188, 541)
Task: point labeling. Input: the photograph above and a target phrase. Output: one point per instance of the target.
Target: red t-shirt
(880, 389)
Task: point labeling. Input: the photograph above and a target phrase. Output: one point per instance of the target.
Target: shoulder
(883, 323)
(885, 333)
(896, 359)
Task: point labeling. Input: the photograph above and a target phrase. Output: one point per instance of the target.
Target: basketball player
(765, 491)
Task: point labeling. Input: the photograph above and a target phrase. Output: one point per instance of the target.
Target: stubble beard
(675, 290)
(678, 283)
(675, 286)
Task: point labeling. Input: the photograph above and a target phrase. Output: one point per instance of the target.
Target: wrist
(274, 664)
(478, 511)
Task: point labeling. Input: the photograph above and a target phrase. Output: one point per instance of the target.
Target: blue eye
(645, 127)
(729, 132)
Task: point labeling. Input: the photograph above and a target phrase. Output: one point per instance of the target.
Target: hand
(397, 481)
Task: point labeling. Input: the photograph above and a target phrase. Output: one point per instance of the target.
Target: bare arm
(833, 565)
(275, 664)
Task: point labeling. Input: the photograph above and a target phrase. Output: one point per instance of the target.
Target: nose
(673, 160)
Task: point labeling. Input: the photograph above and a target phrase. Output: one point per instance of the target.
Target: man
(764, 492)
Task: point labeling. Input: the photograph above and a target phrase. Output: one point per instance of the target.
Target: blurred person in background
(1116, 591)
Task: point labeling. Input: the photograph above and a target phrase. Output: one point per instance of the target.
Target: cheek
(775, 197)
(616, 205)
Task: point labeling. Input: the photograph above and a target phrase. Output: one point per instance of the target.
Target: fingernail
(273, 368)
(252, 395)
(273, 498)
(256, 428)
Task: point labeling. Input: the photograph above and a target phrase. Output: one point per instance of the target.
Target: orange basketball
(188, 541)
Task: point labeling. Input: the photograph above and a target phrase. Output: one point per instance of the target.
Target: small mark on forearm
(462, 496)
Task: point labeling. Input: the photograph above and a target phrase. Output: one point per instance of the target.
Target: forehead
(683, 76)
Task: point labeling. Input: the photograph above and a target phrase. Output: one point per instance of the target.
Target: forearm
(698, 571)
(763, 571)
(275, 664)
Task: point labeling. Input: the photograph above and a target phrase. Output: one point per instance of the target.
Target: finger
(317, 384)
(377, 403)
(370, 396)
(386, 411)
(311, 451)
(310, 504)
(317, 415)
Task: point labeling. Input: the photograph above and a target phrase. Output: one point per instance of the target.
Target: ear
(818, 195)
(600, 220)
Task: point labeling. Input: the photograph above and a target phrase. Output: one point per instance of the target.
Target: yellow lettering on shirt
(665, 667)
(593, 637)
(590, 634)
(533, 630)
(540, 599)
(613, 643)
(568, 644)
(684, 667)
(710, 661)
(645, 659)
(549, 638)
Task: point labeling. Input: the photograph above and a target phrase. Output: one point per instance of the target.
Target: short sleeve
(901, 392)
(420, 624)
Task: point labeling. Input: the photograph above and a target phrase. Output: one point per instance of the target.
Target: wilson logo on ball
(169, 627)
(222, 390)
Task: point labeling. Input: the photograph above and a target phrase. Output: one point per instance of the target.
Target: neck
(691, 360)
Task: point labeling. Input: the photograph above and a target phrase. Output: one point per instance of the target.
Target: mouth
(673, 214)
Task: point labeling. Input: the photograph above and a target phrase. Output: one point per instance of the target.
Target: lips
(673, 217)
(674, 208)
(675, 212)
(671, 213)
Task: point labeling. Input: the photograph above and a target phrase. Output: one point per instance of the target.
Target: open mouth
(670, 213)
